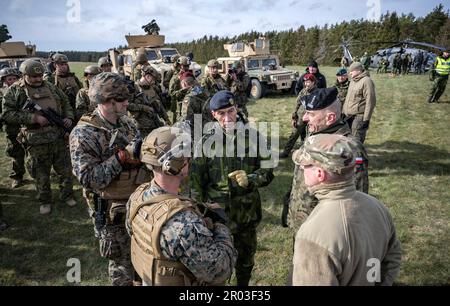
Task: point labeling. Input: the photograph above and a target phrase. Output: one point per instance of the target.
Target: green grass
(409, 151)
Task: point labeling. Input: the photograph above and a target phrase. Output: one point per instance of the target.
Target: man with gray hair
(350, 238)
(360, 101)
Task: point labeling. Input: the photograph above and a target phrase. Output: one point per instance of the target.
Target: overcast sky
(56, 24)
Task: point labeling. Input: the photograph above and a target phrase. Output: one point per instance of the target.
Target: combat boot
(16, 183)
(71, 202)
(45, 209)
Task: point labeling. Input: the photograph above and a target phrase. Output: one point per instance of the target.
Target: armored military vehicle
(262, 66)
(12, 54)
(158, 56)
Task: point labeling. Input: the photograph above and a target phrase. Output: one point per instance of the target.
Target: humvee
(262, 66)
(158, 55)
(12, 54)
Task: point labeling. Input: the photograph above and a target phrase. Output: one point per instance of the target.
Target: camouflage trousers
(15, 151)
(245, 243)
(438, 87)
(299, 131)
(39, 162)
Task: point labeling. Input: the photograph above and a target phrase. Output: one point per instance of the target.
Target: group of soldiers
(155, 228)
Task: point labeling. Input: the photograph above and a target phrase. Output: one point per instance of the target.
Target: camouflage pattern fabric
(176, 94)
(239, 88)
(68, 83)
(301, 202)
(107, 85)
(212, 85)
(209, 182)
(194, 103)
(83, 105)
(50, 151)
(207, 252)
(438, 87)
(342, 90)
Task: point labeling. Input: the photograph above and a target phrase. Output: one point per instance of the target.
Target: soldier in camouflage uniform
(175, 70)
(213, 81)
(83, 104)
(44, 143)
(342, 83)
(188, 238)
(64, 79)
(194, 101)
(175, 91)
(323, 116)
(104, 148)
(299, 127)
(14, 149)
(238, 81)
(105, 64)
(232, 182)
(141, 62)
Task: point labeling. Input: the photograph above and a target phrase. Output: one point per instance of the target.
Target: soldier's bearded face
(9, 80)
(226, 117)
(213, 70)
(118, 108)
(316, 120)
(34, 80)
(62, 68)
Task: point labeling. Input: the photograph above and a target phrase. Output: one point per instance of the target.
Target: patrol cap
(60, 58)
(356, 66)
(341, 72)
(320, 98)
(107, 85)
(222, 99)
(332, 152)
(213, 63)
(32, 68)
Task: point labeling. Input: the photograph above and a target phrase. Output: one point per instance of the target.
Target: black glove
(216, 213)
(365, 124)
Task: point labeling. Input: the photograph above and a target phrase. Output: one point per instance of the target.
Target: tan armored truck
(264, 68)
(12, 54)
(158, 56)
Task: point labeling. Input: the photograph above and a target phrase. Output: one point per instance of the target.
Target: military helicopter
(402, 47)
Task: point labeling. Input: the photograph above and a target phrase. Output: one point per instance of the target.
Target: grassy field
(409, 150)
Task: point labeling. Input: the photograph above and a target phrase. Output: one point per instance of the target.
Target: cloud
(315, 6)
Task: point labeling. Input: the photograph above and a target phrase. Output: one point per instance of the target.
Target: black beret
(320, 98)
(222, 99)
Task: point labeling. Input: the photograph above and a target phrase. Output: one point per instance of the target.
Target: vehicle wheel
(257, 90)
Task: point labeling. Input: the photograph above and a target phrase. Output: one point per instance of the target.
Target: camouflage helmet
(141, 58)
(236, 65)
(174, 58)
(149, 70)
(213, 63)
(183, 61)
(107, 85)
(92, 69)
(32, 67)
(104, 61)
(334, 153)
(163, 149)
(5, 72)
(59, 58)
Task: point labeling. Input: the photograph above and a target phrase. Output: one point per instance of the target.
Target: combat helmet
(107, 85)
(5, 72)
(141, 58)
(60, 58)
(32, 67)
(183, 61)
(104, 61)
(213, 63)
(92, 69)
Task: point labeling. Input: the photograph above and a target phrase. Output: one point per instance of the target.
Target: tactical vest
(126, 183)
(147, 218)
(35, 134)
(65, 82)
(443, 66)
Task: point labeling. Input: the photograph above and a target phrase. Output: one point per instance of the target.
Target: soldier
(439, 72)
(238, 81)
(397, 64)
(213, 81)
(174, 70)
(405, 63)
(83, 104)
(365, 61)
(348, 229)
(14, 149)
(312, 68)
(64, 79)
(342, 84)
(44, 143)
(140, 62)
(323, 116)
(360, 101)
(232, 181)
(146, 107)
(418, 59)
(194, 101)
(188, 238)
(105, 64)
(298, 126)
(104, 148)
(175, 91)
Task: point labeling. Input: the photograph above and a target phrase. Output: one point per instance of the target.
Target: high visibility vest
(443, 66)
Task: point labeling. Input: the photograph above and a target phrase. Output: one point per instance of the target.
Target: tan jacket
(338, 243)
(361, 98)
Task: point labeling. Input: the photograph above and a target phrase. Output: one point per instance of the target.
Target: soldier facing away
(104, 149)
(44, 143)
(176, 241)
(348, 229)
(232, 179)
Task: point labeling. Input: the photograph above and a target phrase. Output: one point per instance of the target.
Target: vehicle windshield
(151, 55)
(253, 64)
(168, 53)
(4, 64)
(269, 62)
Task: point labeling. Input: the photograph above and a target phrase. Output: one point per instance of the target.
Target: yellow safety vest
(443, 66)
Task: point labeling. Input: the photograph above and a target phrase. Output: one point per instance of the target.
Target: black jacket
(321, 82)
